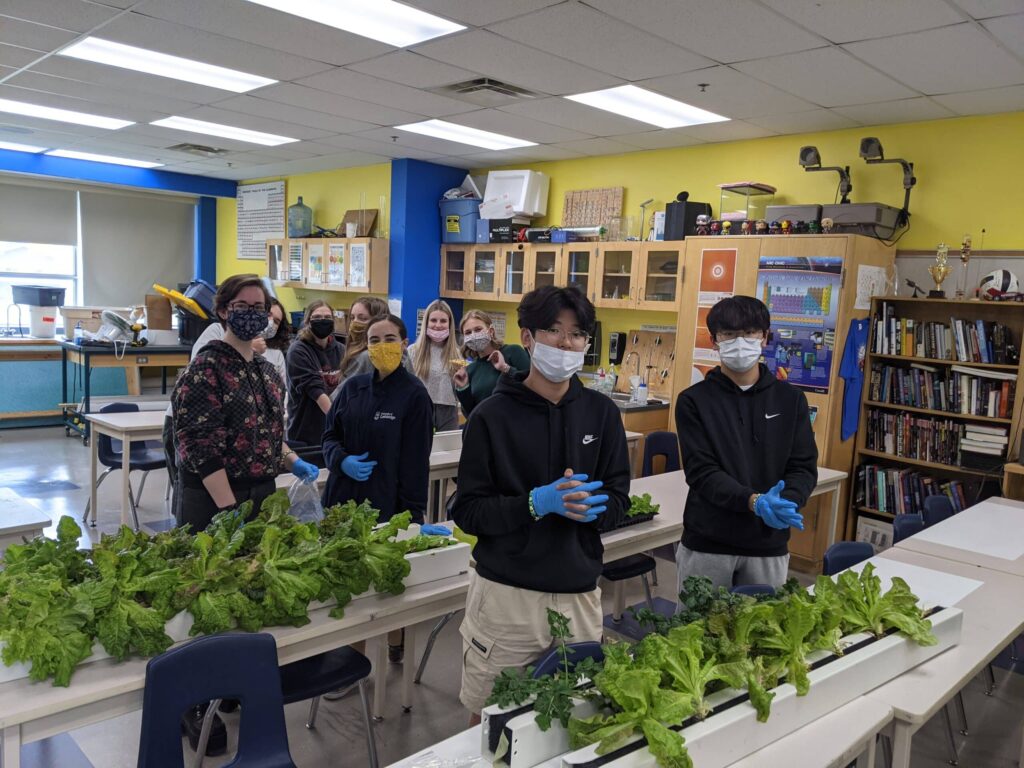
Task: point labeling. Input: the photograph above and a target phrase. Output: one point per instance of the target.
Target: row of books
(925, 438)
(903, 491)
(984, 447)
(956, 390)
(966, 341)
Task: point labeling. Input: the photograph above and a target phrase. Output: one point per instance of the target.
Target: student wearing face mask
(544, 470)
(313, 360)
(749, 456)
(490, 358)
(356, 361)
(435, 357)
(277, 338)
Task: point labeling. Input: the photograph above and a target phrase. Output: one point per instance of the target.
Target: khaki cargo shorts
(508, 627)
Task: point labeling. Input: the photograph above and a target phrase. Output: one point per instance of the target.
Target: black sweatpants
(194, 506)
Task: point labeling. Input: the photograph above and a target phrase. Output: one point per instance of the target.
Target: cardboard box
(158, 312)
(505, 230)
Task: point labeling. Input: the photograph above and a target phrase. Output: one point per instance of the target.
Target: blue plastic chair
(754, 590)
(844, 554)
(661, 444)
(937, 508)
(237, 666)
(551, 662)
(905, 526)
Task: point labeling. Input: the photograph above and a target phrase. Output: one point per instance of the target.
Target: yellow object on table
(181, 300)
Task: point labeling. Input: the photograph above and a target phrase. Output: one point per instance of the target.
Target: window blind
(31, 214)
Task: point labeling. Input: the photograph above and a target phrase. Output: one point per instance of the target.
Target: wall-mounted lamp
(811, 161)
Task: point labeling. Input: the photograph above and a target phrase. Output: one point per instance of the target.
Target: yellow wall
(329, 194)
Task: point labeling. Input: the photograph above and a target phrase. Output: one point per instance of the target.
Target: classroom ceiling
(772, 66)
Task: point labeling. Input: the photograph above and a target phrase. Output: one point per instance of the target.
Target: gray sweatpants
(731, 570)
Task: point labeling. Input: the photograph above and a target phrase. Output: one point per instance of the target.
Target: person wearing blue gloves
(544, 470)
(749, 456)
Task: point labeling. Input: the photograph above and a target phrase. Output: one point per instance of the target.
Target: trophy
(939, 271)
(965, 258)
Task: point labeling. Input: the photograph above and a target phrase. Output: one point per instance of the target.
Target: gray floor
(43, 465)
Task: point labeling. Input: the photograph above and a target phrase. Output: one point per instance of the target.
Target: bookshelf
(941, 408)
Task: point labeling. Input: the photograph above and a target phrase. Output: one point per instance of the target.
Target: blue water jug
(300, 220)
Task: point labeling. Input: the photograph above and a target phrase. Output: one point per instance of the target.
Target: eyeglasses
(241, 306)
(748, 335)
(577, 339)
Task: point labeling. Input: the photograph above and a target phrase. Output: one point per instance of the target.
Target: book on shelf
(961, 340)
(959, 389)
(910, 436)
(902, 491)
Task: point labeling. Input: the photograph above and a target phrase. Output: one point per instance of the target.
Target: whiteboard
(261, 217)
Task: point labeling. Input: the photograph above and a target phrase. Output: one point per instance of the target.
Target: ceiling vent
(199, 149)
(486, 92)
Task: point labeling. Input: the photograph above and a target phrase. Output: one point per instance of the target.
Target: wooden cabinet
(618, 269)
(661, 267)
(579, 267)
(357, 264)
(513, 272)
(484, 271)
(456, 275)
(545, 265)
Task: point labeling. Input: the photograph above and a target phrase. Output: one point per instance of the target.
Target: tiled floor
(44, 466)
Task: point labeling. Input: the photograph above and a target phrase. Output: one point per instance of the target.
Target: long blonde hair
(377, 307)
(424, 344)
(478, 314)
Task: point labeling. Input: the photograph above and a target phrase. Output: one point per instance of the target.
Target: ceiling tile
(39, 136)
(804, 122)
(166, 137)
(827, 76)
(74, 15)
(320, 101)
(572, 114)
(518, 126)
(539, 154)
(922, 60)
(843, 21)
(114, 97)
(596, 40)
(899, 111)
(659, 139)
(311, 165)
(984, 9)
(278, 125)
(600, 146)
(346, 83)
(734, 130)
(728, 92)
(38, 37)
(271, 29)
(412, 69)
(1009, 30)
(382, 145)
(251, 105)
(478, 13)
(983, 102)
(127, 112)
(417, 141)
(516, 64)
(15, 56)
(736, 30)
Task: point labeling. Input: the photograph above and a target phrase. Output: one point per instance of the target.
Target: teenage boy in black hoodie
(749, 456)
(544, 470)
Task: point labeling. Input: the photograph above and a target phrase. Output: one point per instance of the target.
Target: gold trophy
(965, 259)
(939, 271)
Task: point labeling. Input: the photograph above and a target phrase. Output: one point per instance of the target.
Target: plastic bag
(304, 499)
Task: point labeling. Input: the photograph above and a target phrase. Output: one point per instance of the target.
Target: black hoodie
(517, 441)
(312, 371)
(736, 443)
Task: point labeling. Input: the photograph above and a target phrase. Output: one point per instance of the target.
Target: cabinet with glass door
(513, 271)
(617, 272)
(544, 265)
(456, 272)
(579, 268)
(485, 273)
(660, 272)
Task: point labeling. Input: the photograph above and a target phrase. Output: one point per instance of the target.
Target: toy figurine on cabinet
(773, 228)
(786, 227)
(745, 228)
(813, 227)
(726, 227)
(716, 227)
(827, 225)
(703, 224)
(799, 228)
(761, 227)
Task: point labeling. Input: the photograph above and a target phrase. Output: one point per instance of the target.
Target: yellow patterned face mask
(386, 357)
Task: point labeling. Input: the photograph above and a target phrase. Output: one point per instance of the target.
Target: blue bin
(202, 293)
(458, 220)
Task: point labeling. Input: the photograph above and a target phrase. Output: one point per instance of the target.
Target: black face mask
(322, 328)
(247, 324)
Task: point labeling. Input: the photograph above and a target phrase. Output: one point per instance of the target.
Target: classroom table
(19, 520)
(132, 359)
(128, 427)
(989, 534)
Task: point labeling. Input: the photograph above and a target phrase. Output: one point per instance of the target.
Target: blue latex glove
(550, 500)
(357, 467)
(776, 511)
(306, 472)
(435, 530)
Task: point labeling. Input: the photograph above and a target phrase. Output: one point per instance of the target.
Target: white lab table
(989, 534)
(128, 427)
(19, 520)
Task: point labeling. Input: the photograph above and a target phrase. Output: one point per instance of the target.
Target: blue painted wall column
(414, 269)
(205, 255)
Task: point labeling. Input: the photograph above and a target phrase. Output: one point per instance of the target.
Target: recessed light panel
(224, 131)
(647, 106)
(442, 129)
(61, 115)
(75, 155)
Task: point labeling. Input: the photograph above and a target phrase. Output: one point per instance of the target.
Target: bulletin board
(591, 207)
(261, 217)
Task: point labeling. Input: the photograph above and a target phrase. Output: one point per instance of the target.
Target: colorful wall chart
(802, 295)
(717, 282)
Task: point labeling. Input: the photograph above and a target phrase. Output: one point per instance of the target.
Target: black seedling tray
(635, 520)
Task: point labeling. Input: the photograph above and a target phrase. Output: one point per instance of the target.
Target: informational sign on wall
(802, 295)
(717, 275)
(261, 217)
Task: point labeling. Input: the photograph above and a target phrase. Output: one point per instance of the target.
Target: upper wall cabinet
(356, 264)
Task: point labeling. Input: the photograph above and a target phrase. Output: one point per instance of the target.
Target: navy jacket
(392, 420)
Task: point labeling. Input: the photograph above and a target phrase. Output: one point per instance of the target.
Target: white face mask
(740, 354)
(554, 364)
(271, 330)
(479, 341)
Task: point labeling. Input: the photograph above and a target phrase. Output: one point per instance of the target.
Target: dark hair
(305, 332)
(233, 286)
(395, 319)
(739, 313)
(283, 338)
(540, 307)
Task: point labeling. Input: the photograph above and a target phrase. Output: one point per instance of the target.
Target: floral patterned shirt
(228, 414)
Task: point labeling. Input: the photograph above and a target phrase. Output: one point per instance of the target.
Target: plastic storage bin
(38, 295)
(202, 293)
(458, 220)
(190, 327)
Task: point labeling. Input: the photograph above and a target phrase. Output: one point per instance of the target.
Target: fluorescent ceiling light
(224, 131)
(389, 22)
(102, 158)
(61, 115)
(441, 129)
(20, 147)
(647, 106)
(162, 64)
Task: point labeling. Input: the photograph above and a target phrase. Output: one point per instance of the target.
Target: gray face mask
(554, 364)
(478, 342)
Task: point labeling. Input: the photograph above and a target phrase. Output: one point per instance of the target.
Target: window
(35, 264)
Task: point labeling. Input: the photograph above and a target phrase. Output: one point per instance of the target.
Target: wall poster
(717, 282)
(802, 294)
(261, 217)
